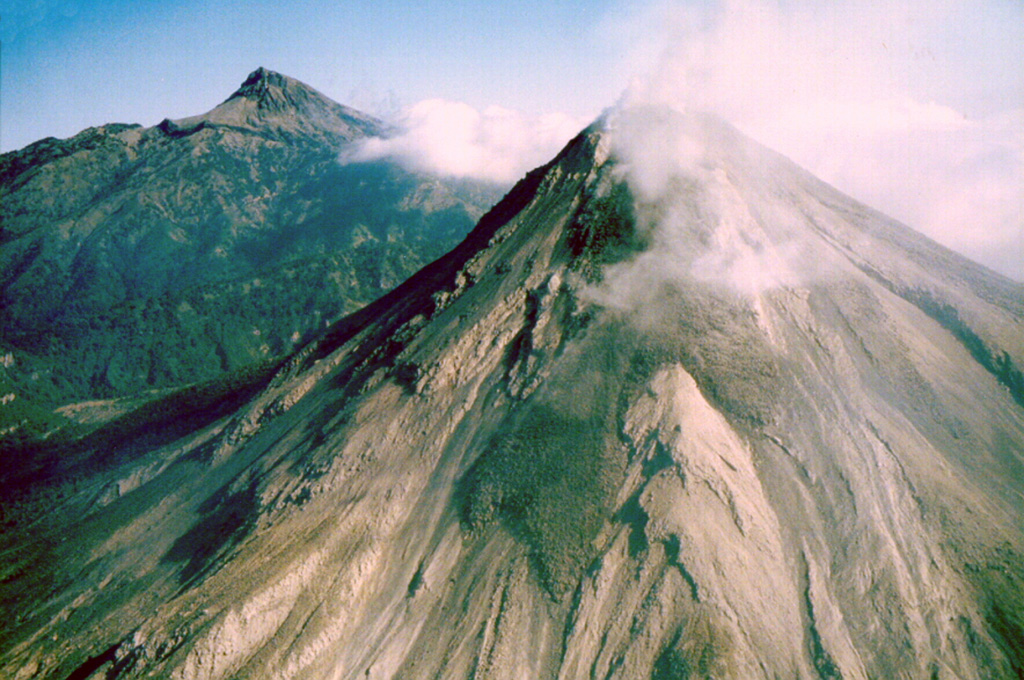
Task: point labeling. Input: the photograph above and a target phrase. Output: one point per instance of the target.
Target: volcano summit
(674, 409)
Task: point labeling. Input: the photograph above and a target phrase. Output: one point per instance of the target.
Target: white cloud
(910, 106)
(455, 139)
(692, 193)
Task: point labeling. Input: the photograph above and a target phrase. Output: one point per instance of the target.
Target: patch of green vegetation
(996, 362)
(38, 470)
(691, 653)
(671, 664)
(255, 248)
(23, 417)
(551, 473)
(549, 482)
(605, 231)
(1008, 625)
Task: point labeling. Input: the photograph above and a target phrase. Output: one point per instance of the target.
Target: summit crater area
(674, 408)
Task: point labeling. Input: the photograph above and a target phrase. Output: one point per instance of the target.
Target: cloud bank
(455, 139)
(916, 108)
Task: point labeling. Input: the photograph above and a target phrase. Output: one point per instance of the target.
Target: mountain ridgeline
(137, 260)
(673, 409)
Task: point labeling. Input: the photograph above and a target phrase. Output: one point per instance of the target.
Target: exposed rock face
(137, 259)
(598, 439)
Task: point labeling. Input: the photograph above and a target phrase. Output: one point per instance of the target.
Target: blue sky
(69, 65)
(914, 106)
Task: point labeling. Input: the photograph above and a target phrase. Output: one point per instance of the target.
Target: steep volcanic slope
(674, 409)
(137, 259)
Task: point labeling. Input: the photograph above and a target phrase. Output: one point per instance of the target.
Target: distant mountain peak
(258, 82)
(273, 102)
(263, 74)
(270, 89)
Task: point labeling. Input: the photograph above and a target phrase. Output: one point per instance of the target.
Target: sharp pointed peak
(262, 82)
(268, 100)
(261, 73)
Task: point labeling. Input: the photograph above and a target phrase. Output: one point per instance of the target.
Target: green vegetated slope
(138, 259)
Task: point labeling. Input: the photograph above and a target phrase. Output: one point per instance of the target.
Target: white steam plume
(702, 196)
(915, 107)
(454, 139)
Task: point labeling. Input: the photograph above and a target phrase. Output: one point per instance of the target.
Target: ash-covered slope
(136, 259)
(674, 409)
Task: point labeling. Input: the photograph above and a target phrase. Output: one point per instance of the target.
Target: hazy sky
(915, 107)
